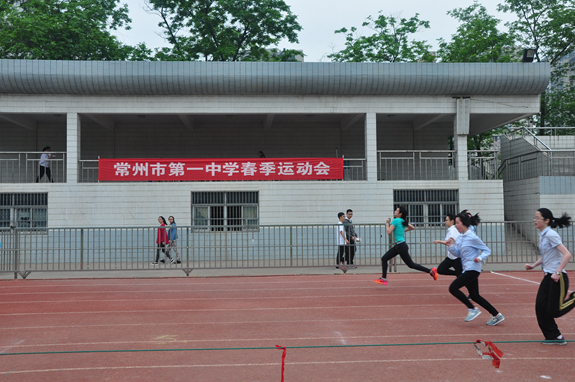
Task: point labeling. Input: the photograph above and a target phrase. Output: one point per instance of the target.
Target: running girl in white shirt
(445, 268)
(550, 302)
(467, 247)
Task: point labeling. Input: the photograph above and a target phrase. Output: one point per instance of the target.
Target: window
(225, 211)
(427, 206)
(24, 210)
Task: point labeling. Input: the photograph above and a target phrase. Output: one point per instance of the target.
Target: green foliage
(546, 25)
(477, 38)
(63, 30)
(224, 30)
(559, 99)
(390, 42)
(549, 27)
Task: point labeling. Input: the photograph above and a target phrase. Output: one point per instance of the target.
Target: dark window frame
(427, 207)
(225, 211)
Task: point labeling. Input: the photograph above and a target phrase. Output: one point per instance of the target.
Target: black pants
(470, 280)
(162, 247)
(340, 254)
(550, 304)
(402, 250)
(48, 174)
(350, 251)
(445, 267)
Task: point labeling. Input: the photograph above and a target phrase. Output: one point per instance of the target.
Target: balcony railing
(416, 165)
(483, 164)
(541, 163)
(24, 167)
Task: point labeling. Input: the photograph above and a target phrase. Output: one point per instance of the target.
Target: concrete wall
(140, 204)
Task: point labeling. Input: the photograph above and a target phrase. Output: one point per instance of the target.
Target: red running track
(151, 330)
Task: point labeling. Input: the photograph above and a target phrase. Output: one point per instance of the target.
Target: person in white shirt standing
(550, 302)
(341, 241)
(445, 268)
(45, 165)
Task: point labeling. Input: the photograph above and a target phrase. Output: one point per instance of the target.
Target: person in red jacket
(162, 241)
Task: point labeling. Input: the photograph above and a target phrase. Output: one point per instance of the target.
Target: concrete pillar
(371, 146)
(460, 133)
(73, 135)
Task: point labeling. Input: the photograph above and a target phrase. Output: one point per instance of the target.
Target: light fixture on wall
(528, 55)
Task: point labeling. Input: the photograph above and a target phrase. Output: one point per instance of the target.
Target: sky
(320, 18)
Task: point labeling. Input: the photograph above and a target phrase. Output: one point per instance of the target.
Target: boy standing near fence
(341, 241)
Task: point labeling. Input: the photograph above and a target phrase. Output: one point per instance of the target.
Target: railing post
(15, 240)
(290, 246)
(188, 247)
(82, 248)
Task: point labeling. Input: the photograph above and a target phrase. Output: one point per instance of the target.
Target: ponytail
(563, 221)
(473, 220)
(403, 212)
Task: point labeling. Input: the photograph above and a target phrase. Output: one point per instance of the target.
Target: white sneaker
(472, 314)
(495, 320)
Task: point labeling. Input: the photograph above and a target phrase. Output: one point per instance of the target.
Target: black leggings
(445, 267)
(402, 250)
(470, 280)
(48, 174)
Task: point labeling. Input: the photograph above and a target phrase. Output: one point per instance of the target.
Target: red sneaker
(380, 281)
(434, 273)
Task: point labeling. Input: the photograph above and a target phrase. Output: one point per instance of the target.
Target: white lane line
(275, 364)
(341, 279)
(4, 349)
(339, 337)
(228, 310)
(366, 286)
(148, 300)
(515, 278)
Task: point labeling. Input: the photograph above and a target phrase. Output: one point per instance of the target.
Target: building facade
(391, 123)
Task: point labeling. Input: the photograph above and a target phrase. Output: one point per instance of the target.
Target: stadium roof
(267, 78)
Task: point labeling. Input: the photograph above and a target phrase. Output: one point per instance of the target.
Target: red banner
(220, 169)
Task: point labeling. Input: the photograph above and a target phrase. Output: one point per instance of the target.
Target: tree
(391, 41)
(224, 30)
(477, 38)
(560, 97)
(549, 27)
(62, 30)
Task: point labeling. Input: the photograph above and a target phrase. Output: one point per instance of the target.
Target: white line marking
(227, 310)
(9, 347)
(275, 364)
(148, 300)
(339, 337)
(516, 278)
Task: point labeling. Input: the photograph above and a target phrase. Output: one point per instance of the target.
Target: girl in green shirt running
(398, 226)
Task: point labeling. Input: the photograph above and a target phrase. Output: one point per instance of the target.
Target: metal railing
(88, 171)
(416, 165)
(483, 164)
(290, 246)
(541, 163)
(527, 134)
(24, 167)
(354, 169)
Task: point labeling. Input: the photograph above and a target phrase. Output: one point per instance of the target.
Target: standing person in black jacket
(352, 237)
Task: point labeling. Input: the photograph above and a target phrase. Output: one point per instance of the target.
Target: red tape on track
(283, 359)
(492, 352)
